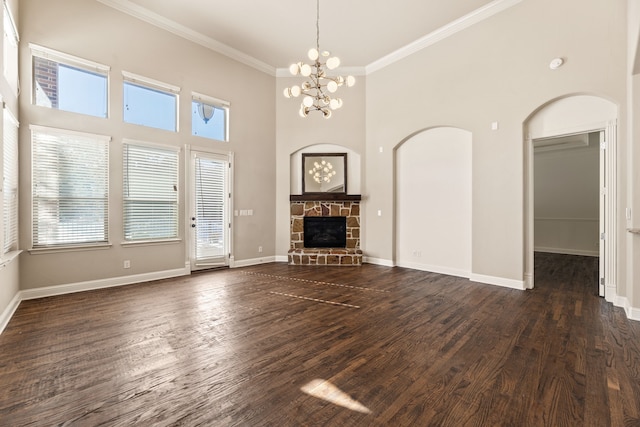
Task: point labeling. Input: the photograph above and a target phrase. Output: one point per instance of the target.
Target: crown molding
(159, 21)
(442, 33)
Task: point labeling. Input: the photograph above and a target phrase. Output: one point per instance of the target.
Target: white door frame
(189, 202)
(607, 182)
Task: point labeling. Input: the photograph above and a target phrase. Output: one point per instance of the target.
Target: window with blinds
(70, 175)
(10, 182)
(150, 192)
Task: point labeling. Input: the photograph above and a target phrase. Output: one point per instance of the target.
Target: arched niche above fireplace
(352, 170)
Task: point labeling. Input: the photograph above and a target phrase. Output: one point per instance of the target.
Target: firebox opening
(325, 232)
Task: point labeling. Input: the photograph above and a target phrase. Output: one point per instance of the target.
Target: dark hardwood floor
(398, 347)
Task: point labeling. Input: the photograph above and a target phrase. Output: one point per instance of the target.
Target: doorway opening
(209, 208)
(565, 118)
(567, 202)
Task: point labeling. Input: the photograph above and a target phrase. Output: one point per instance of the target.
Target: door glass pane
(210, 208)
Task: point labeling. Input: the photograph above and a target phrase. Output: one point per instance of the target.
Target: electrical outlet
(127, 263)
(260, 249)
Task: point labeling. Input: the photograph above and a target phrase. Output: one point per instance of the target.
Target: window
(70, 176)
(68, 83)
(10, 182)
(10, 48)
(150, 192)
(209, 117)
(150, 103)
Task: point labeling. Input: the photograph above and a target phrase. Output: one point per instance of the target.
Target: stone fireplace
(346, 212)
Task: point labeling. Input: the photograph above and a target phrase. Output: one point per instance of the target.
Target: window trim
(67, 59)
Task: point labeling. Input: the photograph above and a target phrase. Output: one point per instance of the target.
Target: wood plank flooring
(236, 348)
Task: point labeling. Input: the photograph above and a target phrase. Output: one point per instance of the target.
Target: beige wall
(566, 194)
(496, 70)
(96, 32)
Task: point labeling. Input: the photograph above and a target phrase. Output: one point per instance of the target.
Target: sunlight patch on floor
(325, 390)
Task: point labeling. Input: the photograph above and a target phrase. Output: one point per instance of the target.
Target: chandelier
(316, 90)
(322, 172)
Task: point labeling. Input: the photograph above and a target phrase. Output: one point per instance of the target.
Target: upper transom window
(151, 103)
(69, 83)
(209, 117)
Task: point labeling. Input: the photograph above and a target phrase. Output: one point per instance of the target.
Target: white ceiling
(273, 34)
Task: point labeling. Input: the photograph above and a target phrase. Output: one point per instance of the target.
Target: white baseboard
(90, 285)
(8, 312)
(566, 251)
(282, 258)
(436, 269)
(378, 261)
(498, 281)
(632, 313)
(254, 261)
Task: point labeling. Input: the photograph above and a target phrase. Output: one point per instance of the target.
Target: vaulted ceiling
(274, 34)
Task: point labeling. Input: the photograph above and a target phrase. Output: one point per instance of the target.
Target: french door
(210, 207)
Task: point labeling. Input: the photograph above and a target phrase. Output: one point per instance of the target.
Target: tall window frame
(69, 83)
(9, 201)
(151, 103)
(209, 117)
(70, 188)
(150, 205)
(10, 49)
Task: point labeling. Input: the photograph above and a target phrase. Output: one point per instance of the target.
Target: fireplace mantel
(325, 197)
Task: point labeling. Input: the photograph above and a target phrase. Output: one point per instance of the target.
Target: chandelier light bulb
(296, 91)
(294, 69)
(307, 101)
(351, 81)
(313, 54)
(335, 103)
(305, 70)
(333, 62)
(287, 92)
(332, 86)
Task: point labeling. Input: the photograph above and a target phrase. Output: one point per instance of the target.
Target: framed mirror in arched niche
(324, 173)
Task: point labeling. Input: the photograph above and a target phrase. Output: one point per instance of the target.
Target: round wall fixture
(556, 63)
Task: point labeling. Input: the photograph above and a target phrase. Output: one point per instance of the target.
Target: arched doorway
(565, 117)
(433, 201)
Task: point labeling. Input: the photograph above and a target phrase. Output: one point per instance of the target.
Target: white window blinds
(10, 182)
(150, 192)
(210, 207)
(70, 187)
